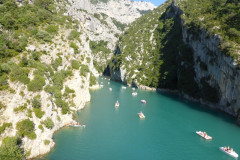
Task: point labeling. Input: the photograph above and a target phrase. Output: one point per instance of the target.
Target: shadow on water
(200, 107)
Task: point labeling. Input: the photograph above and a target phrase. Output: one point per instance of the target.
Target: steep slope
(189, 46)
(48, 55)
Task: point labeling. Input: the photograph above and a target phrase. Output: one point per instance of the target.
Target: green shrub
(75, 64)
(3, 82)
(84, 70)
(10, 149)
(20, 108)
(36, 84)
(57, 63)
(52, 29)
(93, 80)
(62, 104)
(29, 113)
(48, 123)
(2, 106)
(26, 128)
(68, 91)
(36, 102)
(19, 74)
(36, 56)
(38, 112)
(74, 46)
(4, 126)
(44, 36)
(73, 35)
(46, 142)
(41, 127)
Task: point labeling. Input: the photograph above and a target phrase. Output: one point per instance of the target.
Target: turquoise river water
(167, 133)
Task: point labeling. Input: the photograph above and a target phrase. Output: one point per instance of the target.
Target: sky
(155, 2)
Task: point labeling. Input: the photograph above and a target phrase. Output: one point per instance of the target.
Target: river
(167, 132)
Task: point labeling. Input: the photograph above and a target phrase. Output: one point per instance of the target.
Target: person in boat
(204, 134)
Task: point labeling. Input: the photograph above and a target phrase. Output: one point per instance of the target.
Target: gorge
(52, 51)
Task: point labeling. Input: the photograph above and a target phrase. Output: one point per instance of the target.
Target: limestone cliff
(56, 64)
(185, 57)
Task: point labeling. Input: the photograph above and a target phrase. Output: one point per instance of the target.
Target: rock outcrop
(95, 22)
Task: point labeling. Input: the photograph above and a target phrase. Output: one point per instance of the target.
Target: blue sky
(155, 2)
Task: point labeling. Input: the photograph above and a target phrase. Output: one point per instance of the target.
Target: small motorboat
(229, 151)
(134, 93)
(110, 89)
(117, 104)
(108, 82)
(204, 135)
(133, 89)
(141, 115)
(123, 87)
(143, 101)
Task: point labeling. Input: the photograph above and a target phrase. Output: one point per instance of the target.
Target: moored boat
(134, 93)
(76, 124)
(110, 89)
(133, 89)
(123, 87)
(141, 115)
(143, 101)
(204, 135)
(229, 151)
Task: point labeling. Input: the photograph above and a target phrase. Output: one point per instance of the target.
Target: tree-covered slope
(191, 46)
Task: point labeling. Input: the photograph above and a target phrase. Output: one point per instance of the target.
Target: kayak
(200, 133)
(229, 152)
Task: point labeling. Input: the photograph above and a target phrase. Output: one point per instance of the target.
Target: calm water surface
(167, 133)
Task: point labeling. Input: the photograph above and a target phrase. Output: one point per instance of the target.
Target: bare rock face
(96, 22)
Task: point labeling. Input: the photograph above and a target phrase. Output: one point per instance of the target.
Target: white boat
(117, 104)
(204, 135)
(134, 93)
(124, 87)
(133, 89)
(76, 124)
(141, 115)
(108, 82)
(110, 89)
(143, 101)
(230, 152)
(101, 85)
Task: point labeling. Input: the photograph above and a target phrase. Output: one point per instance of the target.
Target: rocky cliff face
(99, 22)
(198, 68)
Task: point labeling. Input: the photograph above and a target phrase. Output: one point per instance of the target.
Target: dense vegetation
(152, 52)
(26, 128)
(220, 17)
(10, 149)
